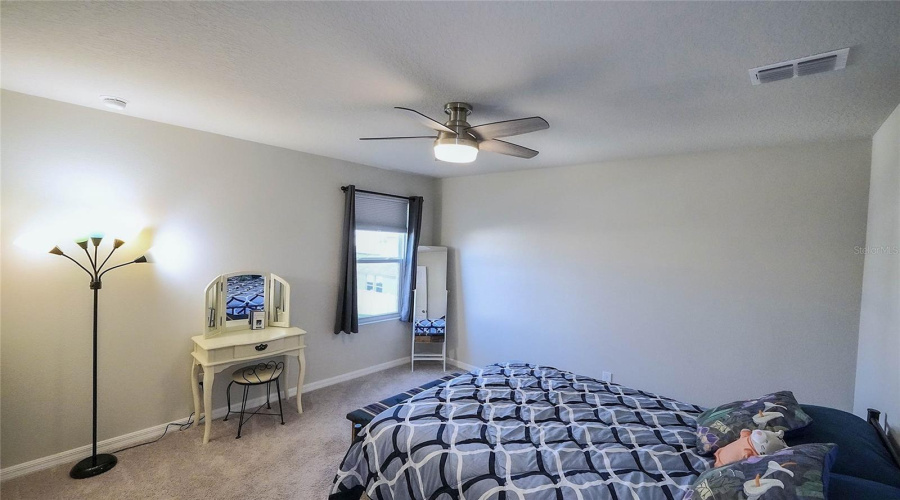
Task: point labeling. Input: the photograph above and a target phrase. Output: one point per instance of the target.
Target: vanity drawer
(250, 350)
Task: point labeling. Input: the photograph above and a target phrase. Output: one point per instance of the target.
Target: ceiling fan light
(455, 150)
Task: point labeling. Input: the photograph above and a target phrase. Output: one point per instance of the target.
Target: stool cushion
(365, 414)
(252, 375)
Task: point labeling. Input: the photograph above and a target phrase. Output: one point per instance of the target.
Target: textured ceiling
(615, 80)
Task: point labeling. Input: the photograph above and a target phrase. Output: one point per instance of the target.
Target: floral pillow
(722, 425)
(796, 473)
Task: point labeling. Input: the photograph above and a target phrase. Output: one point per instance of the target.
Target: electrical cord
(182, 426)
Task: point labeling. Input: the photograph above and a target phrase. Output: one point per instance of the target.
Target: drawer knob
(262, 347)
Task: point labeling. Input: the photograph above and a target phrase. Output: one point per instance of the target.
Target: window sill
(378, 319)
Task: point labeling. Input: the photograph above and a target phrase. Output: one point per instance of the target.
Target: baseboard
(151, 433)
(354, 374)
(76, 454)
(460, 364)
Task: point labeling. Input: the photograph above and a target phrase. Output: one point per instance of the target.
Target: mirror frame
(285, 300)
(216, 287)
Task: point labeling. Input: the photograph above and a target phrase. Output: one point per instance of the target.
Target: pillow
(795, 473)
(841, 487)
(722, 425)
(862, 454)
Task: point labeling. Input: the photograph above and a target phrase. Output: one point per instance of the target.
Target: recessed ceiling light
(112, 102)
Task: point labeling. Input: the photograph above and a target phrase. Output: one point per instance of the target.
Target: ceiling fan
(459, 142)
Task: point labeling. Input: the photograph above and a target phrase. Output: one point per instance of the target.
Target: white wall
(878, 364)
(215, 204)
(705, 277)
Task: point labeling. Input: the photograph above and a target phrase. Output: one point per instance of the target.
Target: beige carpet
(297, 460)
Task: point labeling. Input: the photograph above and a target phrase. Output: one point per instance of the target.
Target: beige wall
(878, 364)
(705, 277)
(215, 204)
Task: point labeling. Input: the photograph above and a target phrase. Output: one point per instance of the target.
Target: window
(380, 255)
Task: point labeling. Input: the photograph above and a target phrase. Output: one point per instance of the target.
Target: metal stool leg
(243, 407)
(228, 396)
(278, 388)
(268, 392)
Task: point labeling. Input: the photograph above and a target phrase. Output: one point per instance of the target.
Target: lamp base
(93, 466)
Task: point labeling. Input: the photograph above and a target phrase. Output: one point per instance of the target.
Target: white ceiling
(615, 80)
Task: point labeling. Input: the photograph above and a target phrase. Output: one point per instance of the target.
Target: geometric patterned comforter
(522, 431)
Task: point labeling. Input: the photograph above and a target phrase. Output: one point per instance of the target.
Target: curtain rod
(344, 188)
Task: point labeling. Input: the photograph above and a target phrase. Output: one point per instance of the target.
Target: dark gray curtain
(408, 282)
(348, 303)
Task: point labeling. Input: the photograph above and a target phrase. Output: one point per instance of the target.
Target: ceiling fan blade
(392, 138)
(428, 122)
(506, 148)
(508, 128)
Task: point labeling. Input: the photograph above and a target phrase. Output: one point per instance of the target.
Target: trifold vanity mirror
(232, 299)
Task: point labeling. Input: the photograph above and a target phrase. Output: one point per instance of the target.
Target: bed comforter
(522, 431)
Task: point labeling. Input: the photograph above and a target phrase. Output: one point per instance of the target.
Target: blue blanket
(431, 326)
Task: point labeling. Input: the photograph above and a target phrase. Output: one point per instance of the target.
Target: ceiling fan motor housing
(459, 112)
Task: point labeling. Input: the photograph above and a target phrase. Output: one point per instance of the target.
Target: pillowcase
(722, 425)
(795, 473)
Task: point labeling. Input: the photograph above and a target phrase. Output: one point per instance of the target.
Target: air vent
(775, 74)
(814, 66)
(811, 65)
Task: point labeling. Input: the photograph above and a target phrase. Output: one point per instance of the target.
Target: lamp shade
(149, 257)
(456, 150)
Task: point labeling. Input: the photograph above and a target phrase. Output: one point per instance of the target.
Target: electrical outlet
(606, 377)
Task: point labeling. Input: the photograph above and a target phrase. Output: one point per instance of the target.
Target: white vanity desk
(231, 301)
(212, 355)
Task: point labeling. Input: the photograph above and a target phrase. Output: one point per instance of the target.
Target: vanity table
(229, 340)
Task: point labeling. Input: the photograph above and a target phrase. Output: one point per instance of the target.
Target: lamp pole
(95, 464)
(94, 395)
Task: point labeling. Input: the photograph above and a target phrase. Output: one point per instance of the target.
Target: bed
(584, 438)
(523, 431)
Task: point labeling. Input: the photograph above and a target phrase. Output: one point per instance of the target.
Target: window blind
(381, 213)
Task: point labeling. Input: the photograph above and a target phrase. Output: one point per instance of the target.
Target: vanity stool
(262, 373)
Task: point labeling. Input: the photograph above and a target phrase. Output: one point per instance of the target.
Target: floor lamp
(95, 464)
